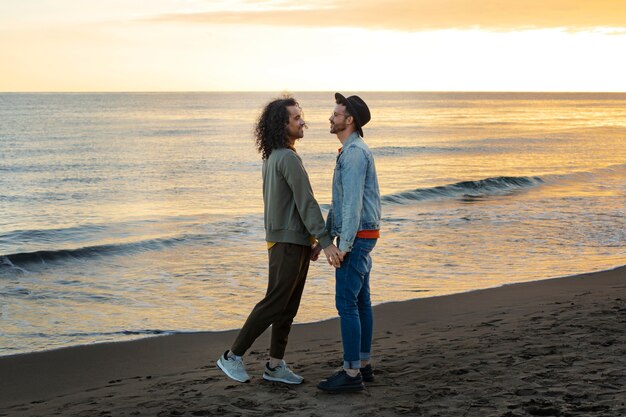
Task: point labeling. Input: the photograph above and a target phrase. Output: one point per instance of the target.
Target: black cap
(357, 108)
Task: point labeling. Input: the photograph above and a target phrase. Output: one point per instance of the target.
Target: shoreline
(164, 333)
(535, 345)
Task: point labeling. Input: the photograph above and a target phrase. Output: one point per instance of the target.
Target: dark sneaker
(367, 373)
(342, 382)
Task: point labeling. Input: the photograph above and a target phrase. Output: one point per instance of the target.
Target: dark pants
(288, 267)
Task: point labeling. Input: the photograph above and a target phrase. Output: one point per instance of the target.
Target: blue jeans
(352, 299)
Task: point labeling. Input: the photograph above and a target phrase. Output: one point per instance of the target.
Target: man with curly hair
(293, 224)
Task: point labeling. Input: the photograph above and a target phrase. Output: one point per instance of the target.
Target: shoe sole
(219, 365)
(272, 379)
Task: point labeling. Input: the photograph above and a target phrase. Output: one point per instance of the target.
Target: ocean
(127, 215)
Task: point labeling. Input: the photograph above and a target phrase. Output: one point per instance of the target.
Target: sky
(306, 45)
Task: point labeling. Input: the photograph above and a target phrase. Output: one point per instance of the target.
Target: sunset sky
(275, 45)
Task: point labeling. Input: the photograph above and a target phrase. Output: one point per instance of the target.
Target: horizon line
(311, 91)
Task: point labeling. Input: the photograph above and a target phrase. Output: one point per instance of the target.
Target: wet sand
(548, 348)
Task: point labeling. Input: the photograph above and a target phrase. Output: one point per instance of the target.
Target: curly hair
(270, 132)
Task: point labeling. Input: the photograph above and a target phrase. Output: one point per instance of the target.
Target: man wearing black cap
(354, 219)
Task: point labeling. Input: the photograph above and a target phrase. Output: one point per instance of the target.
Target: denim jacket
(356, 197)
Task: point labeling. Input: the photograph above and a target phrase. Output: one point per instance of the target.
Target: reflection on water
(127, 215)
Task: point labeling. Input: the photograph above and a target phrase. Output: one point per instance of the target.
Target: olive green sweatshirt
(292, 214)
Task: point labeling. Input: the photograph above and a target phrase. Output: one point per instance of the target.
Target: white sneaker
(233, 368)
(281, 374)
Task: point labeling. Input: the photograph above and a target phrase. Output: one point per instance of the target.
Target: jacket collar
(354, 136)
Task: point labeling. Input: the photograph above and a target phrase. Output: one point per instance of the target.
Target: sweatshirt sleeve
(308, 208)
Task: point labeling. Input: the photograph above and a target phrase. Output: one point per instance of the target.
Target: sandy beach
(548, 348)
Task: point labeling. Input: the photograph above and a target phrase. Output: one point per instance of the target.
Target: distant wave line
(468, 190)
(404, 150)
(115, 333)
(487, 186)
(44, 256)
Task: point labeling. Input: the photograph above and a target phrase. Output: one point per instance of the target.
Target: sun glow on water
(118, 230)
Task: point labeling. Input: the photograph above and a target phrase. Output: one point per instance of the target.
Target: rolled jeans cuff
(352, 364)
(365, 356)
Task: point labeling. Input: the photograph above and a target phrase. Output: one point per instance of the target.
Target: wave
(405, 150)
(465, 189)
(617, 170)
(21, 249)
(20, 259)
(393, 151)
(173, 132)
(479, 146)
(140, 332)
(25, 248)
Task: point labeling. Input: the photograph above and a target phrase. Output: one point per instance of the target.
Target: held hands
(315, 252)
(333, 255)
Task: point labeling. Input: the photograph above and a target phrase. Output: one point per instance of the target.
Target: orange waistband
(368, 234)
